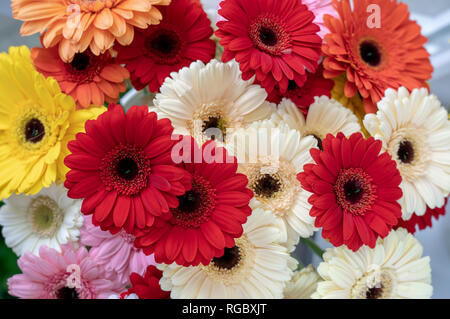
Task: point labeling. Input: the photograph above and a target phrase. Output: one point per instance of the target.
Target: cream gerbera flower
(258, 267)
(394, 269)
(325, 116)
(271, 156)
(48, 218)
(303, 284)
(36, 122)
(415, 131)
(205, 100)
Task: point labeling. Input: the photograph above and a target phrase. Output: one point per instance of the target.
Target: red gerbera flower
(303, 97)
(276, 40)
(210, 215)
(183, 36)
(422, 221)
(147, 287)
(355, 190)
(123, 170)
(89, 79)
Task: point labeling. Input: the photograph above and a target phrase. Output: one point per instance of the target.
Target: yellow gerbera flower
(36, 122)
(355, 104)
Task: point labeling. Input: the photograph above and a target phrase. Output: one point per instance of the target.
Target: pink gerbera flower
(48, 276)
(116, 253)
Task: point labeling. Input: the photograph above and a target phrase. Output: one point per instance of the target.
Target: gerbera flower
(122, 169)
(325, 116)
(211, 98)
(89, 79)
(146, 287)
(415, 131)
(422, 221)
(76, 25)
(394, 269)
(116, 253)
(271, 157)
(303, 284)
(48, 218)
(181, 38)
(49, 276)
(304, 96)
(210, 214)
(36, 122)
(375, 58)
(355, 190)
(257, 267)
(275, 40)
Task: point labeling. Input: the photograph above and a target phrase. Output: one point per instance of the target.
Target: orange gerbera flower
(75, 25)
(89, 79)
(375, 57)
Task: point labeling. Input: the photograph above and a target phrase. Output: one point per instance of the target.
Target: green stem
(314, 247)
(300, 265)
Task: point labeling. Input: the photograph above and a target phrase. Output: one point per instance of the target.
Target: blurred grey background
(434, 17)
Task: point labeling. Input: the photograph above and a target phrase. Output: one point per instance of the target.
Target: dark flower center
(353, 191)
(80, 61)
(67, 293)
(406, 152)
(189, 202)
(231, 257)
(268, 36)
(370, 53)
(127, 169)
(196, 205)
(268, 33)
(374, 293)
(267, 186)
(214, 122)
(292, 86)
(34, 131)
(164, 44)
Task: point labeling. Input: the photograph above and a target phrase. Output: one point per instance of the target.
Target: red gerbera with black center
(424, 221)
(276, 40)
(123, 170)
(183, 36)
(303, 97)
(210, 215)
(147, 287)
(355, 190)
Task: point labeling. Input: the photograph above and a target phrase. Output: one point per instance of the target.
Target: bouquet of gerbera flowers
(269, 121)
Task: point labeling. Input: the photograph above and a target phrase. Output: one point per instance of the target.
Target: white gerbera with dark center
(257, 267)
(394, 269)
(211, 101)
(271, 156)
(48, 218)
(415, 131)
(325, 116)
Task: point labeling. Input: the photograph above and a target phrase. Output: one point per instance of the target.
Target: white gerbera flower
(303, 284)
(325, 116)
(271, 157)
(257, 267)
(415, 131)
(211, 100)
(48, 218)
(393, 269)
